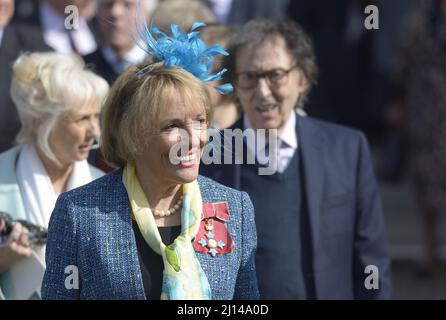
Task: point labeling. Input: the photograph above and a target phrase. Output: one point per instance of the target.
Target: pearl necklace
(168, 212)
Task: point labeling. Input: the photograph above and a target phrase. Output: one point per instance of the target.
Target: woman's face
(173, 155)
(74, 133)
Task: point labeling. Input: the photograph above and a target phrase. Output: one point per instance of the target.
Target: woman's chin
(186, 174)
(81, 157)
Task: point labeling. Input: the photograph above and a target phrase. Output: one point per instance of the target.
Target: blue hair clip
(184, 50)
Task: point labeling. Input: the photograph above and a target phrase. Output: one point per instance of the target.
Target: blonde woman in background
(58, 102)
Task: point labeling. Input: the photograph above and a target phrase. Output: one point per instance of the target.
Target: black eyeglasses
(274, 78)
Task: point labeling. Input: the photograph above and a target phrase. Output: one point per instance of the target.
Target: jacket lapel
(227, 174)
(310, 141)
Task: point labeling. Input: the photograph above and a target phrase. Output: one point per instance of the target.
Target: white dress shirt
(134, 56)
(1, 36)
(286, 143)
(57, 36)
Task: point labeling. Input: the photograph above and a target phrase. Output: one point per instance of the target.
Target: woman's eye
(199, 124)
(171, 126)
(82, 120)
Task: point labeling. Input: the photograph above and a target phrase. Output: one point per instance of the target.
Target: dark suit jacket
(31, 17)
(344, 208)
(244, 10)
(327, 24)
(17, 38)
(99, 65)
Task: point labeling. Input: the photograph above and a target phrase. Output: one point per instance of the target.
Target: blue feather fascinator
(184, 50)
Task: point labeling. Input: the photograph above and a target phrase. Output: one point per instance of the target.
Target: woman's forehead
(91, 107)
(179, 105)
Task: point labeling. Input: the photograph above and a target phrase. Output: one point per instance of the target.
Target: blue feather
(224, 89)
(183, 50)
(197, 25)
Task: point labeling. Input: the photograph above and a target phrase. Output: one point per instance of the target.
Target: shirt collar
(1, 35)
(288, 136)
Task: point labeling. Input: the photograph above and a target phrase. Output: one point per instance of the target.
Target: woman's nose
(93, 127)
(193, 134)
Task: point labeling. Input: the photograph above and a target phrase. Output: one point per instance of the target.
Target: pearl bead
(168, 212)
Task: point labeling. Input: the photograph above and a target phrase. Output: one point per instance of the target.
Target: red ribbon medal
(213, 236)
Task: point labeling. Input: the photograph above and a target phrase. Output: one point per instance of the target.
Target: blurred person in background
(60, 123)
(59, 29)
(14, 39)
(182, 13)
(116, 24)
(238, 12)
(417, 111)
(319, 217)
(349, 87)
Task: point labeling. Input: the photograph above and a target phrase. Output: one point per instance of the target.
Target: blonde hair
(132, 109)
(46, 85)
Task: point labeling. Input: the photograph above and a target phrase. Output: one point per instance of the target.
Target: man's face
(117, 22)
(268, 103)
(6, 12)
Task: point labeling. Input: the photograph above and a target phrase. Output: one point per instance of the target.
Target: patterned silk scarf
(183, 277)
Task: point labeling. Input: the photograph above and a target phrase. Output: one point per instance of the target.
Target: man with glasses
(319, 218)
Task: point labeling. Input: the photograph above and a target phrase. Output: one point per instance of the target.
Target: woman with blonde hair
(154, 228)
(58, 102)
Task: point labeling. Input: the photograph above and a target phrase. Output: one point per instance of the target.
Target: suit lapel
(237, 166)
(228, 174)
(9, 48)
(313, 177)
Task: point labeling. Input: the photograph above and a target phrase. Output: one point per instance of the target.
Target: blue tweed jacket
(91, 229)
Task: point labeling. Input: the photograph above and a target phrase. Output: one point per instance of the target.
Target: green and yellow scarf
(183, 277)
